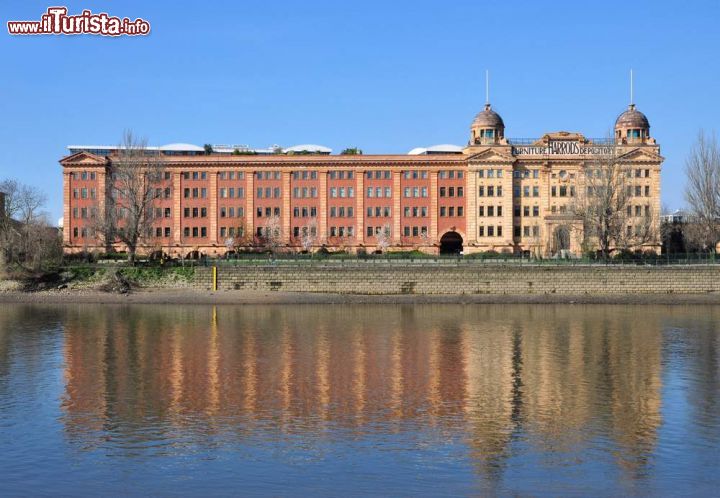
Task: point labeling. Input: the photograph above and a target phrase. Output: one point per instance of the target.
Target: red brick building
(493, 194)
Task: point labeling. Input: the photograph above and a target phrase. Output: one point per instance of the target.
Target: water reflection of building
(553, 374)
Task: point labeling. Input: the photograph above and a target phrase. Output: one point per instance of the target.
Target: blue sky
(383, 76)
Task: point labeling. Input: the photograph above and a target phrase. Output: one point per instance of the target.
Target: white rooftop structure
(312, 148)
(436, 149)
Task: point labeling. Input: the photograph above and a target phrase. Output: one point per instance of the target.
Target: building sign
(564, 148)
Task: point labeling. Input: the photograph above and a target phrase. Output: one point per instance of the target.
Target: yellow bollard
(215, 278)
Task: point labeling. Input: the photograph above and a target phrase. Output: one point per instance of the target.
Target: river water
(359, 400)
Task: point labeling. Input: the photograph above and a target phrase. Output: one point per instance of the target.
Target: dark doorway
(561, 240)
(451, 243)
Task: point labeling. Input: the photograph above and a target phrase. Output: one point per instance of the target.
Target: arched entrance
(451, 243)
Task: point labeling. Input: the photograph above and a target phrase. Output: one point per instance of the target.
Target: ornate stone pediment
(83, 159)
(491, 155)
(642, 155)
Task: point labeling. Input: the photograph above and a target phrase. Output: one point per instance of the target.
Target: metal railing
(531, 141)
(450, 260)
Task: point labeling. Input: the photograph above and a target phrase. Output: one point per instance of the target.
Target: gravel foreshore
(195, 296)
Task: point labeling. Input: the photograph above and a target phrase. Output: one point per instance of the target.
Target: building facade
(494, 194)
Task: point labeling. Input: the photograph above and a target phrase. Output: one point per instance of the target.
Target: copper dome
(632, 118)
(488, 118)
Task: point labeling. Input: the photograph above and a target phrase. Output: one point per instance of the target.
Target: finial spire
(632, 102)
(487, 87)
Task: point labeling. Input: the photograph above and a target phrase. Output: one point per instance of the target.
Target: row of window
(638, 190)
(451, 210)
(526, 210)
(159, 232)
(638, 210)
(490, 173)
(490, 231)
(195, 212)
(231, 175)
(490, 191)
(195, 193)
(490, 210)
(231, 232)
(341, 212)
(195, 231)
(304, 231)
(449, 174)
(374, 231)
(194, 175)
(269, 193)
(230, 212)
(304, 192)
(340, 175)
(162, 193)
(379, 212)
(341, 192)
(450, 192)
(526, 173)
(83, 193)
(162, 213)
(269, 211)
(229, 193)
(525, 191)
(414, 231)
(84, 213)
(304, 175)
(304, 212)
(416, 192)
(342, 231)
(379, 174)
(415, 212)
(562, 190)
(268, 175)
(379, 191)
(83, 175)
(415, 174)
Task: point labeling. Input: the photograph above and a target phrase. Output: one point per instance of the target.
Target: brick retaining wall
(399, 278)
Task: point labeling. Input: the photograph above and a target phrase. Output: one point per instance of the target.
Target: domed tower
(632, 127)
(487, 128)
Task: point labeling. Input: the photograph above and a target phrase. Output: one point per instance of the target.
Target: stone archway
(451, 243)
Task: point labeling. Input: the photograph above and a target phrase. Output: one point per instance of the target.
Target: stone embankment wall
(491, 279)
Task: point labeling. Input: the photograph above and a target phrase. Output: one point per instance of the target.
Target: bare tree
(26, 235)
(134, 175)
(702, 192)
(604, 206)
(271, 233)
(229, 245)
(384, 237)
(308, 235)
